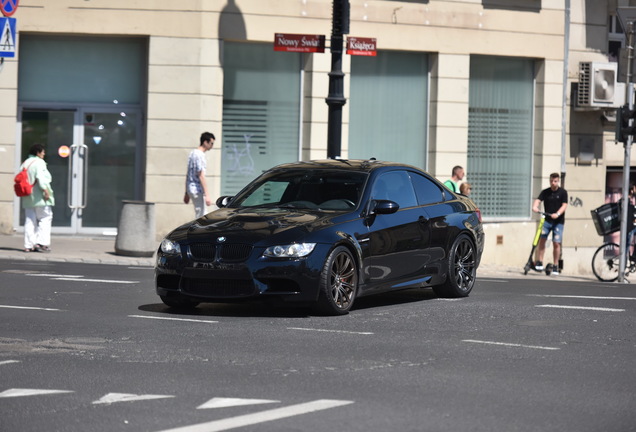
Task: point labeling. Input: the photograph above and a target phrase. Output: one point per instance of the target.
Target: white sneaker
(555, 271)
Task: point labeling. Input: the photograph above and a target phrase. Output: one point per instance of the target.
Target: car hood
(254, 225)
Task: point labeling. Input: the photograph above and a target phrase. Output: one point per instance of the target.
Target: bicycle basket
(607, 218)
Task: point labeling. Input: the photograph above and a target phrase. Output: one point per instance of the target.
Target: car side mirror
(384, 207)
(223, 201)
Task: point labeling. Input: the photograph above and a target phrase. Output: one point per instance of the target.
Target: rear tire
(605, 262)
(338, 283)
(461, 269)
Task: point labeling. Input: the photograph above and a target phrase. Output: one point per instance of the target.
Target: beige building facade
(120, 90)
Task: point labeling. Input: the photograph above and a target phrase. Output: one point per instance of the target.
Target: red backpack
(22, 186)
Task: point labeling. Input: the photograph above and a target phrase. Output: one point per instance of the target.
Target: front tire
(461, 269)
(526, 268)
(338, 283)
(605, 262)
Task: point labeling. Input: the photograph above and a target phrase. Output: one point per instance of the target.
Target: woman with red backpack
(38, 206)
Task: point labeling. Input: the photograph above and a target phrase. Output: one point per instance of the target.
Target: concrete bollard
(136, 229)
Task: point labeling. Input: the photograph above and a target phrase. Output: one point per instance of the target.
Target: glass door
(94, 158)
(105, 166)
(54, 129)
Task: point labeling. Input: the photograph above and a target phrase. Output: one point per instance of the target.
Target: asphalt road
(91, 348)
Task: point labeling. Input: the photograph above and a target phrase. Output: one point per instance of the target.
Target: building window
(388, 107)
(615, 39)
(98, 70)
(261, 112)
(500, 135)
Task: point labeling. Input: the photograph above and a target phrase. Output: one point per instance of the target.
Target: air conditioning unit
(598, 85)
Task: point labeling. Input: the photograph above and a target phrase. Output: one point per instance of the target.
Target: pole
(336, 99)
(564, 103)
(629, 95)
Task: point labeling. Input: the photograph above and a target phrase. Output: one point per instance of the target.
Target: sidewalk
(101, 250)
(93, 250)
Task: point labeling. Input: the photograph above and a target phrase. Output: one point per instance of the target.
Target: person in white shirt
(196, 188)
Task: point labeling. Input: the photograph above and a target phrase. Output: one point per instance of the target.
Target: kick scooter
(530, 264)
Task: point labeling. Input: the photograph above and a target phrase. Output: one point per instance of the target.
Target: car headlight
(296, 250)
(170, 247)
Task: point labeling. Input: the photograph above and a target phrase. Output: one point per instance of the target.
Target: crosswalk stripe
(261, 417)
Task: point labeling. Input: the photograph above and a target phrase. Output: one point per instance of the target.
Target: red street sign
(361, 46)
(8, 7)
(299, 43)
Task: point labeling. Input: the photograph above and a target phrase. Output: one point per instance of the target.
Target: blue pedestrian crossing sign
(7, 36)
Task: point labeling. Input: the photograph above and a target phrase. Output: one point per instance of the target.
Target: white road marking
(127, 397)
(261, 417)
(329, 331)
(9, 362)
(219, 402)
(30, 392)
(580, 308)
(582, 297)
(52, 275)
(482, 279)
(172, 319)
(511, 345)
(28, 307)
(94, 280)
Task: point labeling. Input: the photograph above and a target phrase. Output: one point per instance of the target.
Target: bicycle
(606, 259)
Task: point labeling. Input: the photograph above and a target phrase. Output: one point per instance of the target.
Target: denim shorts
(556, 228)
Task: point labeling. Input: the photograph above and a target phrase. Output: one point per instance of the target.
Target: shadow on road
(274, 309)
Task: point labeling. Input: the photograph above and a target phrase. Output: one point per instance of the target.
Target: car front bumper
(290, 279)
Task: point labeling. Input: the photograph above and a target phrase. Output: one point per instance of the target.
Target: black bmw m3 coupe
(324, 233)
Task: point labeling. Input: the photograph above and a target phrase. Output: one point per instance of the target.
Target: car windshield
(313, 189)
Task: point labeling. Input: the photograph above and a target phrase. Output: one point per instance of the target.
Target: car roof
(362, 165)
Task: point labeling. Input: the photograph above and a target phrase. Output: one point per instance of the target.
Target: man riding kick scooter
(555, 201)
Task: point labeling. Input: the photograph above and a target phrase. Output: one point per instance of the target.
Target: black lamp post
(336, 99)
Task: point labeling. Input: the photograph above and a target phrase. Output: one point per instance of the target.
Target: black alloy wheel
(338, 282)
(461, 269)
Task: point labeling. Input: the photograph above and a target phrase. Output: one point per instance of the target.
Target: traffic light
(623, 129)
